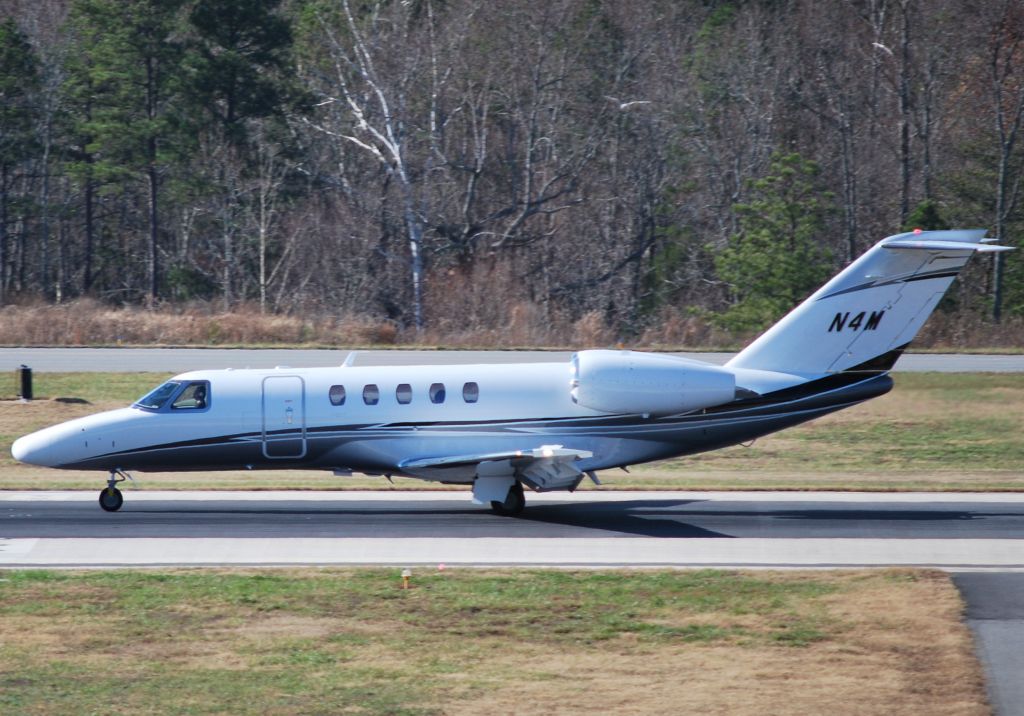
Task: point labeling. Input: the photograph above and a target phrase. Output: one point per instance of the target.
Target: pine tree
(19, 78)
(237, 62)
(778, 257)
(239, 74)
(133, 67)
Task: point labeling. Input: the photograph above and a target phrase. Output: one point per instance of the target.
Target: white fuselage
(292, 418)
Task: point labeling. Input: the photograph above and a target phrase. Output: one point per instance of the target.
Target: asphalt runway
(177, 360)
(451, 515)
(951, 531)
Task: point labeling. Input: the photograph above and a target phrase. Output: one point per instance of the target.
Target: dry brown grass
(87, 322)
(893, 642)
(904, 650)
(462, 314)
(968, 330)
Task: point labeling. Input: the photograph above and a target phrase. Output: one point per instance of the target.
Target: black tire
(111, 499)
(513, 504)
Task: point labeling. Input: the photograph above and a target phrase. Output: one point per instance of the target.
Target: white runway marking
(399, 496)
(952, 554)
(10, 549)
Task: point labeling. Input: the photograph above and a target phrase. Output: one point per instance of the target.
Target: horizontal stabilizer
(946, 246)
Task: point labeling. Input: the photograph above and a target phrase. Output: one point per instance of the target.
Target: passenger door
(284, 417)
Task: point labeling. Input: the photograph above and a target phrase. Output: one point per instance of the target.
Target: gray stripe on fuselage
(943, 273)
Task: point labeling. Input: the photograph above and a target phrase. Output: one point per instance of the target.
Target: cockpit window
(194, 397)
(156, 398)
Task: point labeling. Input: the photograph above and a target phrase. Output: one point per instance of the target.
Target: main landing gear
(513, 504)
(111, 498)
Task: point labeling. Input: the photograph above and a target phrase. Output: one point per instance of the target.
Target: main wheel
(513, 504)
(111, 499)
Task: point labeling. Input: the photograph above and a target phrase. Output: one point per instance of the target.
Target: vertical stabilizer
(871, 310)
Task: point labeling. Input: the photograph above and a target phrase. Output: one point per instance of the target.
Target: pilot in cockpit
(193, 398)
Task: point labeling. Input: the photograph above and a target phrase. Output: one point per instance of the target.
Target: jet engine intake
(647, 383)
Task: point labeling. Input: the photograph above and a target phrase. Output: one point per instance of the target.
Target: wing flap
(548, 467)
(554, 453)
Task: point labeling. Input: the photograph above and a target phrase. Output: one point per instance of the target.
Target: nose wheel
(111, 498)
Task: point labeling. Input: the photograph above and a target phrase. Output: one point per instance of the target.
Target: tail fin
(868, 313)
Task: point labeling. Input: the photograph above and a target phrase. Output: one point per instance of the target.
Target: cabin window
(156, 398)
(403, 394)
(196, 396)
(437, 393)
(371, 394)
(337, 394)
(470, 392)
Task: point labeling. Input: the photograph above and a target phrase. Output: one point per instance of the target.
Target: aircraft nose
(29, 449)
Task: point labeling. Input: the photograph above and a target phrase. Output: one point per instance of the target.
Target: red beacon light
(917, 231)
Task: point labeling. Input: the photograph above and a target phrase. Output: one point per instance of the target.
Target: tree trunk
(44, 268)
(415, 232)
(62, 252)
(154, 278)
(905, 115)
(229, 254)
(263, 225)
(997, 287)
(3, 232)
(263, 263)
(997, 258)
(154, 226)
(89, 233)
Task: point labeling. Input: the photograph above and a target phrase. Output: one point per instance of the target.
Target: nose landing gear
(110, 497)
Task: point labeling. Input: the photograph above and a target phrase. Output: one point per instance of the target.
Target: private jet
(545, 426)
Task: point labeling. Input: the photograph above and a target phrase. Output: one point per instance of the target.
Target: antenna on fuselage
(350, 359)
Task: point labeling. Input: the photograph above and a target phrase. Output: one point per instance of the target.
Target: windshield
(155, 399)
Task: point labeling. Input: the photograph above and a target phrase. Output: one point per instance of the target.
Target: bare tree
(1006, 54)
(370, 107)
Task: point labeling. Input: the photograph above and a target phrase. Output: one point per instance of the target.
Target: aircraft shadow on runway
(664, 518)
(642, 518)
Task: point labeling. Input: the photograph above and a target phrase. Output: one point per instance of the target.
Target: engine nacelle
(629, 382)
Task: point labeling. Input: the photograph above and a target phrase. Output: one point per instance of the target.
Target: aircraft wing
(548, 467)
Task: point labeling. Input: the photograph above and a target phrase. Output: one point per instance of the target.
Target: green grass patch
(118, 388)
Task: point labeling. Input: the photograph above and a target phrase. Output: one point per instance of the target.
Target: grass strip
(469, 642)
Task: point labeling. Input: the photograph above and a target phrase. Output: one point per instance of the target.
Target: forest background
(494, 172)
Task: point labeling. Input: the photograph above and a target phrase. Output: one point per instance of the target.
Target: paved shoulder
(177, 360)
(995, 613)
